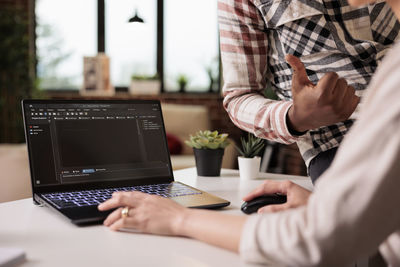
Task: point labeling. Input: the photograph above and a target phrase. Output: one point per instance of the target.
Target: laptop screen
(96, 141)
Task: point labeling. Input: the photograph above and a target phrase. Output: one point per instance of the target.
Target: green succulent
(182, 80)
(208, 140)
(144, 77)
(250, 147)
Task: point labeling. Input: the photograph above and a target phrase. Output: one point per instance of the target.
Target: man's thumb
(299, 71)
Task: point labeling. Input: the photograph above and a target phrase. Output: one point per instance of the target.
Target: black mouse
(258, 202)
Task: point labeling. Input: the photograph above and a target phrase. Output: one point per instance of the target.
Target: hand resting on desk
(162, 216)
(296, 195)
(147, 213)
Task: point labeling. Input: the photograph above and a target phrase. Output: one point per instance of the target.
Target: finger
(112, 217)
(274, 208)
(346, 102)
(337, 98)
(268, 187)
(327, 83)
(120, 199)
(340, 92)
(353, 103)
(300, 77)
(356, 101)
(123, 223)
(255, 193)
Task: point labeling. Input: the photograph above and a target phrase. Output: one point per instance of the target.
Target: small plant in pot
(249, 160)
(182, 81)
(145, 84)
(208, 148)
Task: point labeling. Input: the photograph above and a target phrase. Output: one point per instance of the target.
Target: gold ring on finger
(125, 212)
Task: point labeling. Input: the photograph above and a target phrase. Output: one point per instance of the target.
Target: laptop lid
(85, 144)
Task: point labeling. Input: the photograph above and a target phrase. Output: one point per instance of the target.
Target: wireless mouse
(258, 202)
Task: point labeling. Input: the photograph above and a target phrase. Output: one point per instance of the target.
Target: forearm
(254, 113)
(212, 227)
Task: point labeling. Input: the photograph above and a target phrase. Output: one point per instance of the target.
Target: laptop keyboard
(96, 196)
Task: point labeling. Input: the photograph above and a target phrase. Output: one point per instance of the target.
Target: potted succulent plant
(182, 81)
(249, 161)
(208, 148)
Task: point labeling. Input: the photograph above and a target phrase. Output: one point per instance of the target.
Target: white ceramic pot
(249, 168)
(144, 87)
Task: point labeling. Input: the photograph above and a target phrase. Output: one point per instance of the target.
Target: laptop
(81, 151)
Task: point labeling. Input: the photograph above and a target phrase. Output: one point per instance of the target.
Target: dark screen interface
(78, 143)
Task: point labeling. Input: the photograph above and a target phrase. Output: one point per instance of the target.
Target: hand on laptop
(296, 195)
(146, 213)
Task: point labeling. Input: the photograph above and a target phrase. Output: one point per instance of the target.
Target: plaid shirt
(327, 35)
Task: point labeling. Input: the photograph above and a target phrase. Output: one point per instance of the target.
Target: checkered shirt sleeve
(244, 53)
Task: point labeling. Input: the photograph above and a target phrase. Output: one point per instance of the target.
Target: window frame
(101, 45)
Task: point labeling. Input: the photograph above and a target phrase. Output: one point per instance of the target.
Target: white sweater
(355, 207)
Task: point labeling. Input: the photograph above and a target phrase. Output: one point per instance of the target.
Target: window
(65, 34)
(130, 46)
(191, 44)
(186, 47)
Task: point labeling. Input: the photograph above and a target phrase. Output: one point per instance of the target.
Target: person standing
(340, 46)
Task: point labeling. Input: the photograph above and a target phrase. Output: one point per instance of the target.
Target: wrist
(294, 125)
(180, 225)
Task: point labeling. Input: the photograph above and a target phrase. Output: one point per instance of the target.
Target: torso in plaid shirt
(327, 35)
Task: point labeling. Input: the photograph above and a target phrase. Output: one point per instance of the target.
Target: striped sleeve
(244, 47)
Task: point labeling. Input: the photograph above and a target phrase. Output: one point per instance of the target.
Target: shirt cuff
(292, 131)
(282, 120)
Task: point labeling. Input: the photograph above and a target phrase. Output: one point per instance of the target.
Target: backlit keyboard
(96, 196)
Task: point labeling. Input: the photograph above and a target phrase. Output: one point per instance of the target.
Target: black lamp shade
(136, 18)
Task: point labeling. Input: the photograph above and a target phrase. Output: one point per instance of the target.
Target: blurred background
(43, 44)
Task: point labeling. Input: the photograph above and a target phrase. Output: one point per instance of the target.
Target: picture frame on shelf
(96, 76)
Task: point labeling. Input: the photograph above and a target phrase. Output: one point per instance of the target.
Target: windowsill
(64, 94)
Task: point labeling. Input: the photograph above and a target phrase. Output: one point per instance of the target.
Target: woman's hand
(147, 213)
(296, 195)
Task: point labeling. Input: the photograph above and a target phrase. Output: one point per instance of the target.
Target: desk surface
(51, 240)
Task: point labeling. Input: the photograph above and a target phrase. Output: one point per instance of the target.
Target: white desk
(51, 240)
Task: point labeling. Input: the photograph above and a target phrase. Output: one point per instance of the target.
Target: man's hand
(328, 102)
(296, 195)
